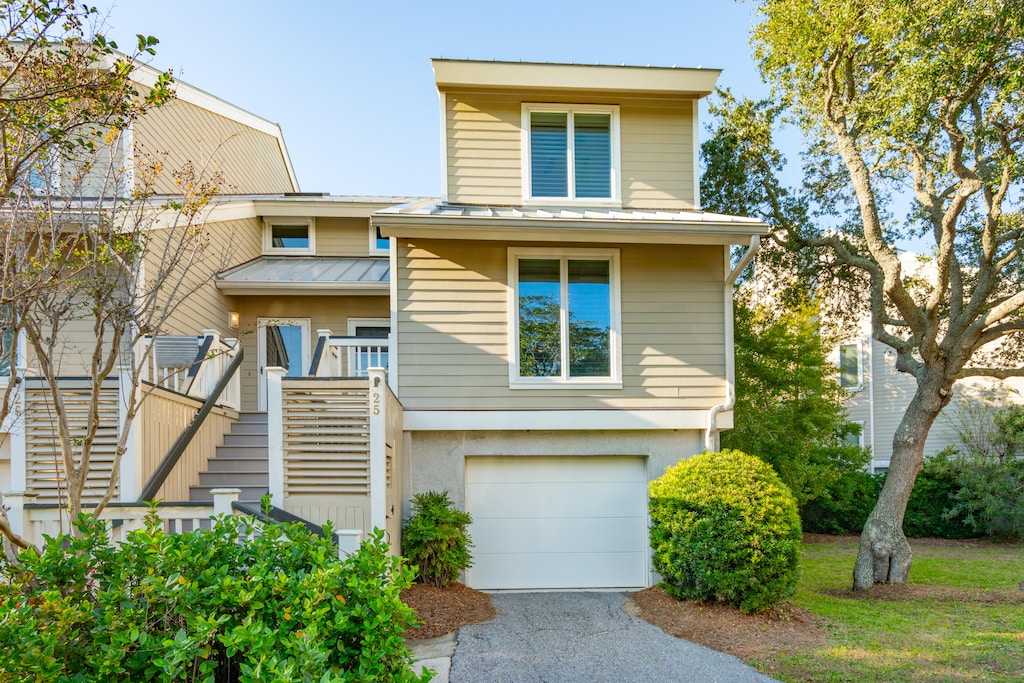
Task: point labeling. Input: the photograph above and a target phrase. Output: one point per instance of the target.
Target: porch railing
(338, 356)
(192, 365)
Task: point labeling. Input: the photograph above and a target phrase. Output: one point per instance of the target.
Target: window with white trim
(849, 365)
(565, 323)
(571, 153)
(379, 244)
(288, 236)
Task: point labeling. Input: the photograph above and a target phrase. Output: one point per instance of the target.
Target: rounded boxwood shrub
(725, 527)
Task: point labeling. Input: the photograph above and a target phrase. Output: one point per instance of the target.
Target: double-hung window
(565, 318)
(849, 365)
(571, 154)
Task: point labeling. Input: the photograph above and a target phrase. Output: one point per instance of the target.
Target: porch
(328, 447)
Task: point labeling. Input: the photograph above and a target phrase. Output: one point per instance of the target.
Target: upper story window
(565, 326)
(288, 236)
(849, 365)
(571, 154)
(378, 244)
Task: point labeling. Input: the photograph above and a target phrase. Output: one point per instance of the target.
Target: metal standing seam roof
(305, 272)
(681, 218)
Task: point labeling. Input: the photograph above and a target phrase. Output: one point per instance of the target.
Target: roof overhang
(601, 226)
(460, 74)
(307, 276)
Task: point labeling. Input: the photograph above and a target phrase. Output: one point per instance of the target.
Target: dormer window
(571, 154)
(288, 236)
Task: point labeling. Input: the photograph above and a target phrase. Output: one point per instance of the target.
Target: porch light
(233, 319)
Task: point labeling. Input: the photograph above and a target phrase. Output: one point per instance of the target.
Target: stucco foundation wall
(435, 461)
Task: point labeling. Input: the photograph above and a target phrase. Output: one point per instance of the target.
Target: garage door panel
(555, 535)
(564, 570)
(557, 522)
(525, 469)
(575, 499)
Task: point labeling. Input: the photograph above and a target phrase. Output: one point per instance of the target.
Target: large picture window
(570, 153)
(566, 321)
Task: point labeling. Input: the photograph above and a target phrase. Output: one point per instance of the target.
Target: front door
(282, 342)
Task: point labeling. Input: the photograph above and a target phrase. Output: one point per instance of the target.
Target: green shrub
(725, 527)
(844, 505)
(204, 606)
(991, 497)
(932, 507)
(435, 538)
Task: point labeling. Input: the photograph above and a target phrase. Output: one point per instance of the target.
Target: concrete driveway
(564, 637)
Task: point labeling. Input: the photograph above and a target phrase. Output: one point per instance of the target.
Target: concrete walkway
(566, 637)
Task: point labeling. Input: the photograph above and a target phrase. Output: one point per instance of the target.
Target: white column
(349, 541)
(222, 500)
(131, 469)
(18, 420)
(378, 448)
(275, 434)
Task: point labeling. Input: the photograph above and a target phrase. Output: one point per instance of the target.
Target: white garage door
(560, 522)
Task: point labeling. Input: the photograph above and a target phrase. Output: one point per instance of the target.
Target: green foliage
(206, 606)
(435, 538)
(789, 408)
(845, 504)
(990, 496)
(932, 508)
(725, 527)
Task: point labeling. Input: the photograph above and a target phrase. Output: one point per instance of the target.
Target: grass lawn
(968, 626)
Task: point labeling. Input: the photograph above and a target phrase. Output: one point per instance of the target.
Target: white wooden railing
(193, 370)
(336, 356)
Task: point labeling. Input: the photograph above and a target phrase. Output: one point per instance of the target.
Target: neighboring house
(557, 330)
(879, 393)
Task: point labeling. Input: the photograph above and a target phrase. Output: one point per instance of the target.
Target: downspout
(711, 435)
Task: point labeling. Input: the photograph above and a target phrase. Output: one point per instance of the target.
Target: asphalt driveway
(565, 637)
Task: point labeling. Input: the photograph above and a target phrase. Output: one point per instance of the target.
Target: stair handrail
(166, 466)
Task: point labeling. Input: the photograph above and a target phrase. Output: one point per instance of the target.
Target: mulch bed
(442, 610)
(897, 592)
(725, 628)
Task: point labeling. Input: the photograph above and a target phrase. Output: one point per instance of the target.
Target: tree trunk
(884, 555)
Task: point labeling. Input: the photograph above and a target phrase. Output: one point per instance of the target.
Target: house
(879, 393)
(556, 329)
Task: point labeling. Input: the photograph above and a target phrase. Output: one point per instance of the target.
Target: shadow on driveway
(565, 637)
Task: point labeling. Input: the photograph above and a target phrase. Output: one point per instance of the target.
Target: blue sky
(351, 84)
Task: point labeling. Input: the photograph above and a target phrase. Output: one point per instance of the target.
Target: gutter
(711, 435)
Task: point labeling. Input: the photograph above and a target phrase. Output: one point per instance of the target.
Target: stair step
(231, 450)
(245, 440)
(249, 428)
(234, 479)
(252, 418)
(237, 465)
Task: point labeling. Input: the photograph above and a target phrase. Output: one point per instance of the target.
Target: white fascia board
(517, 230)
(304, 288)
(560, 420)
(316, 208)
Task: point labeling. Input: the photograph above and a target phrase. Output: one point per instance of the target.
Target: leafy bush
(931, 510)
(725, 527)
(435, 538)
(207, 606)
(991, 496)
(844, 506)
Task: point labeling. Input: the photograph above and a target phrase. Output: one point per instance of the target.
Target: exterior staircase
(241, 462)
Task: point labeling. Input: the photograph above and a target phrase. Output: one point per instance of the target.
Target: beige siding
(324, 312)
(484, 140)
(657, 155)
(179, 133)
(163, 416)
(202, 306)
(454, 343)
(342, 237)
